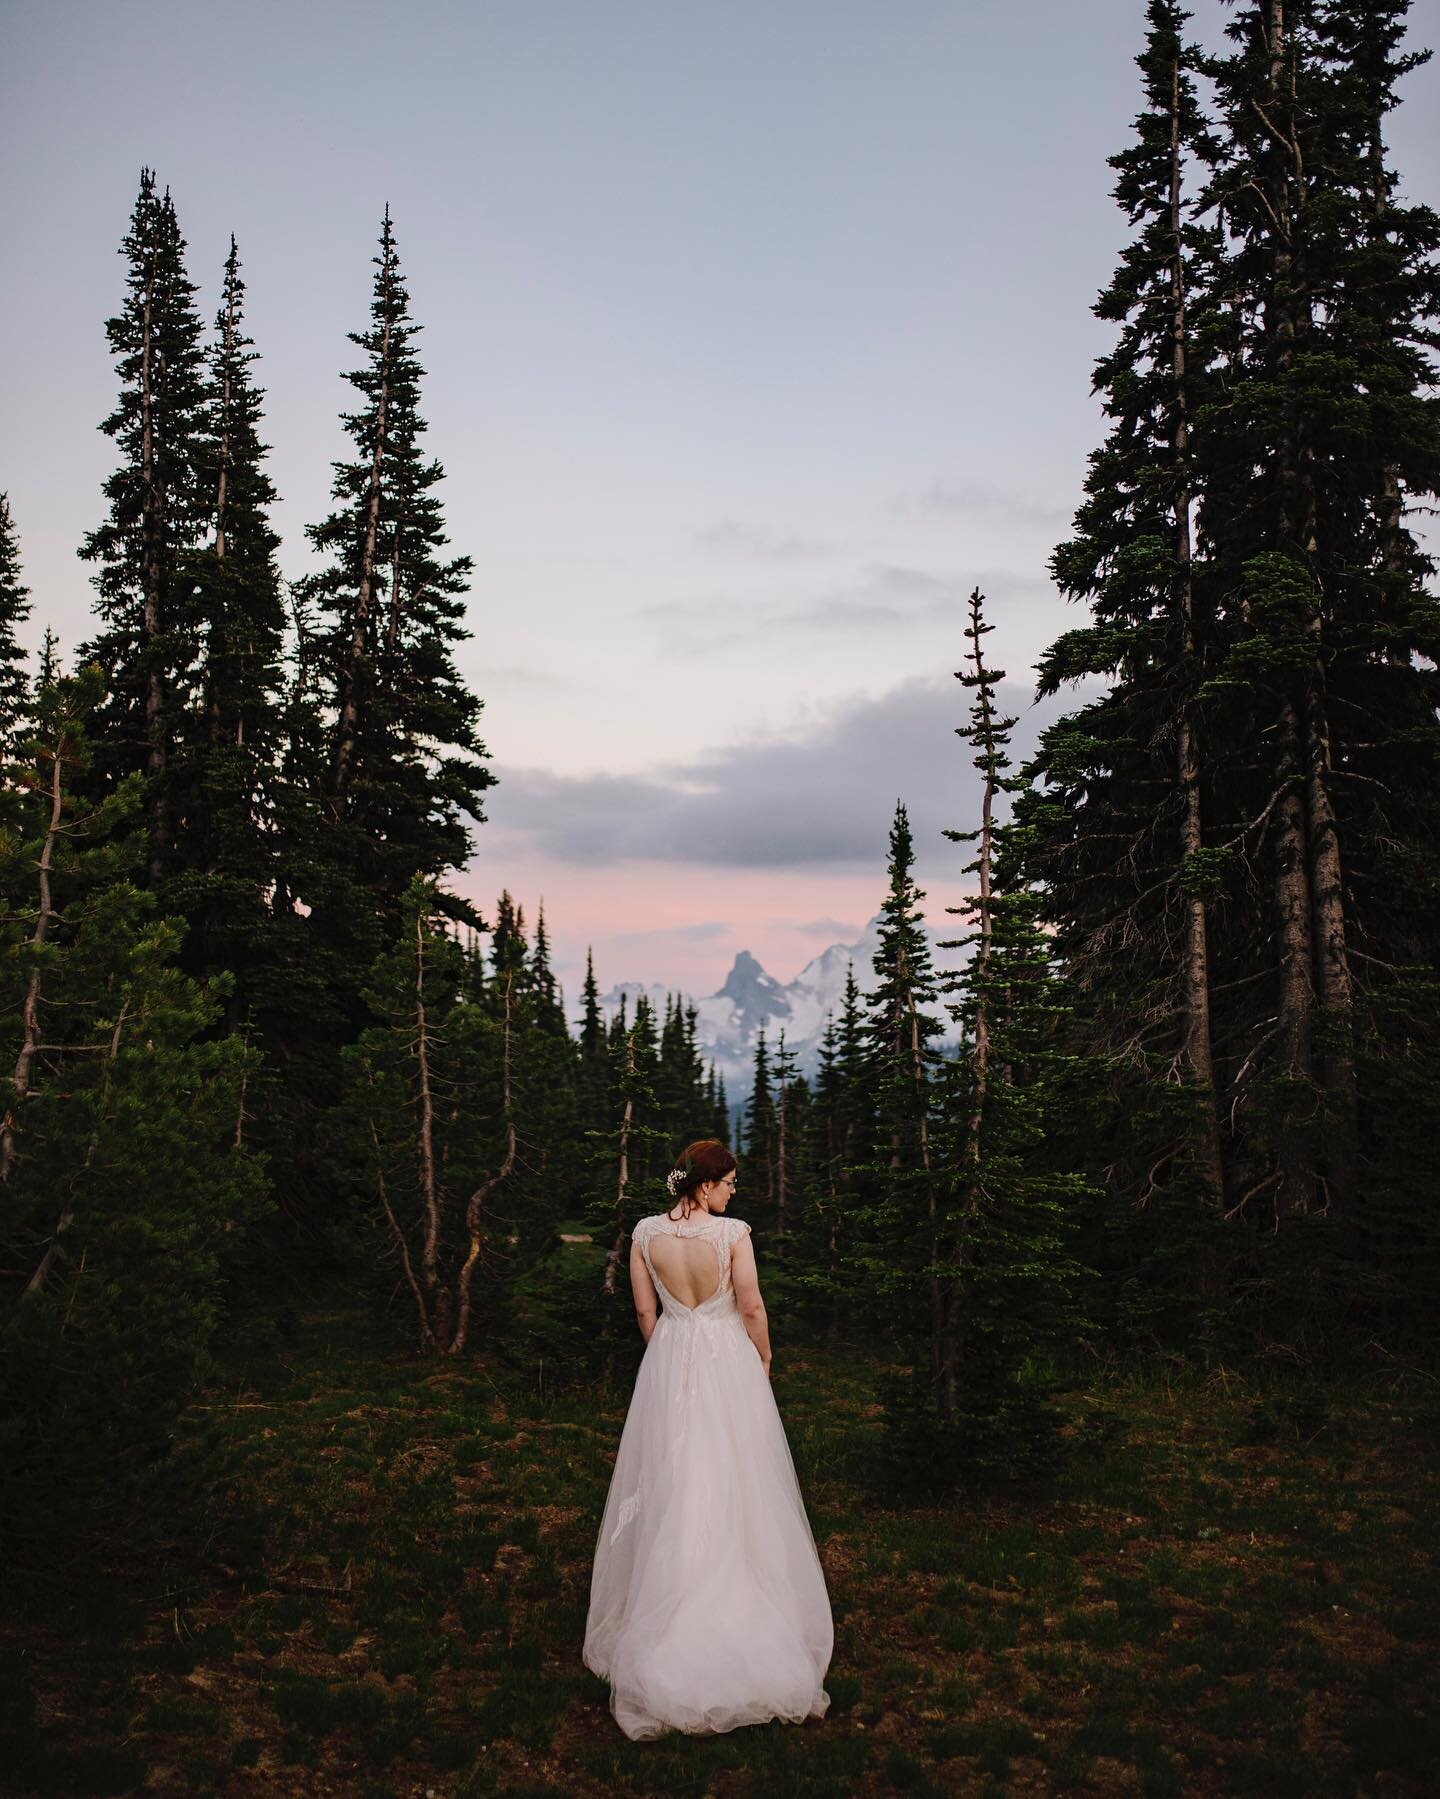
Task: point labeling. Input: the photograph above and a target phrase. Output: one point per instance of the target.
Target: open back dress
(708, 1606)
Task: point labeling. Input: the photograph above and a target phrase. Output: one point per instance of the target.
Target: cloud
(757, 543)
(822, 801)
(832, 930)
(980, 498)
(886, 595)
(704, 931)
(882, 597)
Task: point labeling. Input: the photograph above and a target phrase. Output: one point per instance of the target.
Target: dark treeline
(256, 1042)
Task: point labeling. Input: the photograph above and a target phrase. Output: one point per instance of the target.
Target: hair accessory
(673, 1180)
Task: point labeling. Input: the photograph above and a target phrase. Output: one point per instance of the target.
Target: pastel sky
(757, 333)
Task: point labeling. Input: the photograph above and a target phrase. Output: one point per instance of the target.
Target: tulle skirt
(708, 1607)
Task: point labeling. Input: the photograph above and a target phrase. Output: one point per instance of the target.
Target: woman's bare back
(688, 1266)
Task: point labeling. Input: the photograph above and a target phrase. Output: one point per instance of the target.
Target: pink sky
(652, 921)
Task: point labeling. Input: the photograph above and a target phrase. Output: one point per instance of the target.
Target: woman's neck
(697, 1206)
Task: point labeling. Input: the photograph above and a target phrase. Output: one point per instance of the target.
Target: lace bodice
(722, 1233)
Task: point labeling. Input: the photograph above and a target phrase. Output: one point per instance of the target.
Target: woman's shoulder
(738, 1227)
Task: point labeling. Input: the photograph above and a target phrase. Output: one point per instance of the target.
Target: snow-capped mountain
(726, 1021)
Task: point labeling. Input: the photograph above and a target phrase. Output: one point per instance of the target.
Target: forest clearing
(1233, 1590)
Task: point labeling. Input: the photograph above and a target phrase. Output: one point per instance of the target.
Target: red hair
(707, 1159)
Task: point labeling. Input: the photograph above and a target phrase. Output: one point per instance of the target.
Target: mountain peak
(728, 1020)
(748, 985)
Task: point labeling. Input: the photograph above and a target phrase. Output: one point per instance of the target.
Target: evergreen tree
(854, 1110)
(790, 1096)
(1009, 1312)
(823, 1235)
(721, 1124)
(1231, 836)
(405, 767)
(758, 1171)
(230, 741)
(549, 1003)
(1127, 839)
(842, 1237)
(899, 1210)
(626, 1185)
(149, 641)
(429, 1130)
(553, 1176)
(1331, 644)
(124, 1153)
(593, 1076)
(14, 610)
(311, 968)
(508, 948)
(680, 1085)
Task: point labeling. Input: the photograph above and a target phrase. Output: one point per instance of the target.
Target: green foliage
(128, 1186)
(995, 1312)
(1235, 839)
(405, 768)
(424, 1131)
(628, 1165)
(226, 773)
(151, 634)
(14, 610)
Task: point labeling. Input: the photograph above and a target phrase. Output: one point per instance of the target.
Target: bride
(708, 1606)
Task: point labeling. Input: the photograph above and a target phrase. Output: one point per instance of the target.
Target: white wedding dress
(708, 1606)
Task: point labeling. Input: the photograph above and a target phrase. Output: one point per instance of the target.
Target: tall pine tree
(1010, 1312)
(230, 738)
(149, 643)
(405, 768)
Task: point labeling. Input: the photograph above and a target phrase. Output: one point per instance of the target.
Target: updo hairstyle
(705, 1160)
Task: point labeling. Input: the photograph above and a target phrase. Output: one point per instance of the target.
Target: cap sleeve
(738, 1229)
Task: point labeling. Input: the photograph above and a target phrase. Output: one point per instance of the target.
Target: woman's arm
(643, 1289)
(745, 1279)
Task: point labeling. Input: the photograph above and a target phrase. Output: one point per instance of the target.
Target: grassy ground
(1226, 1594)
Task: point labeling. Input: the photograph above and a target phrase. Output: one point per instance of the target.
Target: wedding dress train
(708, 1607)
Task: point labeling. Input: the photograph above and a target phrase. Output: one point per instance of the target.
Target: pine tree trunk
(480, 1198)
(1297, 999)
(622, 1184)
(1328, 886)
